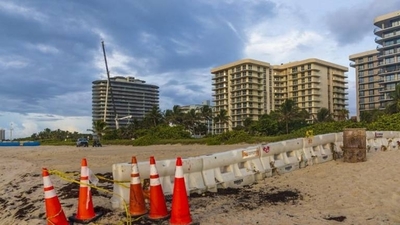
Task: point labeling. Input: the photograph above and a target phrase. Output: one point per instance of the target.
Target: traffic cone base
(73, 218)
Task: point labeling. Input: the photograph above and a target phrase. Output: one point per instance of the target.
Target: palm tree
(288, 112)
(323, 115)
(191, 119)
(222, 117)
(174, 116)
(99, 127)
(371, 115)
(394, 105)
(343, 114)
(155, 116)
(206, 115)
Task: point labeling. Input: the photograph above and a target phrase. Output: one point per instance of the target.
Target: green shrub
(145, 140)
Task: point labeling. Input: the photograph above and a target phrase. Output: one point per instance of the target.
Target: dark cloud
(351, 25)
(48, 48)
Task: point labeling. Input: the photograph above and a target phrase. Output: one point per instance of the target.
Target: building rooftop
(363, 54)
(393, 15)
(232, 64)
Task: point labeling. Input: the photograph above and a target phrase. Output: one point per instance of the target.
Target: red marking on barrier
(266, 149)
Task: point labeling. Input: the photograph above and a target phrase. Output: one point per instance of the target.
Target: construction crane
(109, 87)
(122, 118)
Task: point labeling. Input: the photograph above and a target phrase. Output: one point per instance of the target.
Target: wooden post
(354, 145)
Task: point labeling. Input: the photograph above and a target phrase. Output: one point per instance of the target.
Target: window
(389, 60)
(370, 58)
(371, 99)
(371, 92)
(361, 93)
(372, 106)
(371, 79)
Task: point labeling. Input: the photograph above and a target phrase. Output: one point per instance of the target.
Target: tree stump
(354, 145)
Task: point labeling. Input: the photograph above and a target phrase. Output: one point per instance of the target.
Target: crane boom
(109, 87)
(122, 118)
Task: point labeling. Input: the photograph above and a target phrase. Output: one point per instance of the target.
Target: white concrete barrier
(192, 170)
(322, 151)
(226, 169)
(280, 157)
(252, 156)
(240, 167)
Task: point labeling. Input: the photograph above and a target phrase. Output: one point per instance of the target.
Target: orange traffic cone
(180, 212)
(54, 211)
(137, 205)
(86, 213)
(158, 207)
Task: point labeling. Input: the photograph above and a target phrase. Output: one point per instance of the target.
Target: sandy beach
(330, 193)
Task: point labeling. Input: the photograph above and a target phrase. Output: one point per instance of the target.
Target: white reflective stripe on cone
(84, 183)
(84, 171)
(154, 182)
(153, 170)
(135, 168)
(49, 194)
(47, 182)
(135, 180)
(179, 172)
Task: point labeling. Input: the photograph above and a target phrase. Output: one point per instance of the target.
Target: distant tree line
(284, 120)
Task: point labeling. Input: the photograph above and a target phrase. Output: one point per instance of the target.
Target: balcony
(377, 30)
(352, 64)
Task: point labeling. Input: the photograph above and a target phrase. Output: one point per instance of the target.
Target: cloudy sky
(51, 50)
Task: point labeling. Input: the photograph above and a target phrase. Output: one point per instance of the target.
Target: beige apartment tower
(241, 89)
(249, 88)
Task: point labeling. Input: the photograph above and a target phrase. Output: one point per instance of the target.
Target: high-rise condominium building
(380, 67)
(368, 94)
(249, 88)
(127, 99)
